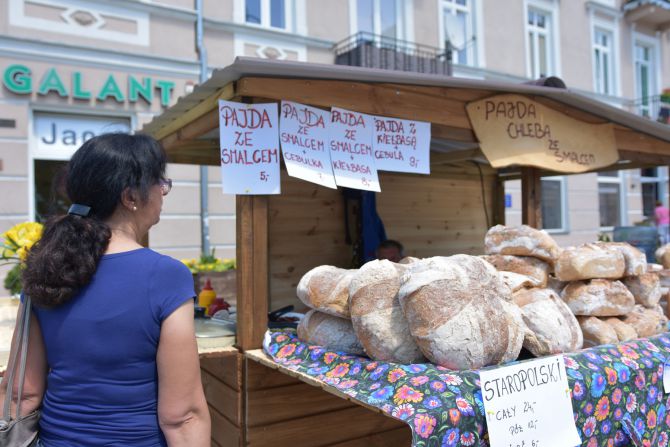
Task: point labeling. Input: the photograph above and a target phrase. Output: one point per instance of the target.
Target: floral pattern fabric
(617, 391)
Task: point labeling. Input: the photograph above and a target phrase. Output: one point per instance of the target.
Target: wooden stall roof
(189, 129)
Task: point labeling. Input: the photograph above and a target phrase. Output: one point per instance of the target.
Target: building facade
(74, 68)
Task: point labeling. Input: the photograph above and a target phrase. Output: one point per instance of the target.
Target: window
(459, 29)
(381, 18)
(540, 43)
(609, 198)
(269, 13)
(553, 205)
(645, 71)
(653, 189)
(603, 61)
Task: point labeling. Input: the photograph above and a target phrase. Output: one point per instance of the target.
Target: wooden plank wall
(222, 383)
(306, 229)
(282, 411)
(440, 214)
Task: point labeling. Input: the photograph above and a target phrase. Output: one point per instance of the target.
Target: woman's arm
(36, 371)
(182, 410)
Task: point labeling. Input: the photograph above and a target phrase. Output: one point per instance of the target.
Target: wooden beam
(192, 131)
(629, 140)
(252, 271)
(208, 104)
(379, 99)
(531, 197)
(455, 156)
(498, 202)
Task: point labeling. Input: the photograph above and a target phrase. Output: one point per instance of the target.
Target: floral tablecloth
(617, 391)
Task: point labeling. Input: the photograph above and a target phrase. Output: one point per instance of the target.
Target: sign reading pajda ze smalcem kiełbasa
(515, 130)
(528, 405)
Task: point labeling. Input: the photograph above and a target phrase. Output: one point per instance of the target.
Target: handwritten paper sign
(401, 145)
(350, 145)
(249, 148)
(515, 130)
(528, 405)
(304, 138)
(666, 376)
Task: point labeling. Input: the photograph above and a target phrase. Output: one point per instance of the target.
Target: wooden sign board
(515, 130)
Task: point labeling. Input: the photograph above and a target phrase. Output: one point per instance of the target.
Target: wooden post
(252, 271)
(531, 197)
(498, 201)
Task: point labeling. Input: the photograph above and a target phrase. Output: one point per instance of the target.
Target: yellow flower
(19, 239)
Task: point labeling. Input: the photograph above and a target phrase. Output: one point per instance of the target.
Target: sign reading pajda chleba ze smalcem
(515, 130)
(528, 405)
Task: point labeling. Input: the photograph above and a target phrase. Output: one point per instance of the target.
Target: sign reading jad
(249, 137)
(58, 136)
(515, 130)
(528, 404)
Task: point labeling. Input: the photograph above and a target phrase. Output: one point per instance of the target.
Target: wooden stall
(280, 237)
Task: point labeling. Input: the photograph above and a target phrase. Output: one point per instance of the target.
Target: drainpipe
(204, 177)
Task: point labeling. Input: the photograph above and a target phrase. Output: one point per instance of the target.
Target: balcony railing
(374, 51)
(654, 14)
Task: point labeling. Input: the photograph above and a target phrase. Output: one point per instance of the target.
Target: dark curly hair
(66, 257)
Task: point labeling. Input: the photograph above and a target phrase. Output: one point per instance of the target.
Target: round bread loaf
(597, 332)
(521, 241)
(326, 288)
(647, 322)
(552, 326)
(535, 268)
(457, 313)
(598, 298)
(624, 331)
(516, 281)
(635, 260)
(330, 332)
(377, 316)
(589, 261)
(663, 255)
(646, 288)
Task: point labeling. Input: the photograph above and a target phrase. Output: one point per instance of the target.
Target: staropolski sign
(20, 79)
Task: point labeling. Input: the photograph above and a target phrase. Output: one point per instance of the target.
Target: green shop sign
(18, 79)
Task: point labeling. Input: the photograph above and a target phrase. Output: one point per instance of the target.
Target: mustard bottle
(206, 296)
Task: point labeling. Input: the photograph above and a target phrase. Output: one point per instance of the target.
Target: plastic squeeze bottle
(207, 295)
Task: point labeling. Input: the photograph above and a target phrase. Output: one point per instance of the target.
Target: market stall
(280, 237)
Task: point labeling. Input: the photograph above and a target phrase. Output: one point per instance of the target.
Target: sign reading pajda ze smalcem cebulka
(515, 130)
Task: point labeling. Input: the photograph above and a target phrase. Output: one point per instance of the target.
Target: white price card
(351, 150)
(528, 404)
(401, 145)
(249, 137)
(666, 376)
(303, 133)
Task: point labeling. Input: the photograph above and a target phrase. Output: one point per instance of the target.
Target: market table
(617, 393)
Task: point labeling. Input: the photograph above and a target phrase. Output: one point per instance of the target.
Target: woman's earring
(134, 208)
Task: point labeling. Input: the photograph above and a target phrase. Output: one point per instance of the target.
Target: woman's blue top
(102, 384)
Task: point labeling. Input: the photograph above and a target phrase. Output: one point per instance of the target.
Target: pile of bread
(467, 312)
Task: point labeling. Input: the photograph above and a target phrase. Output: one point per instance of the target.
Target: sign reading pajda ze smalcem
(515, 130)
(528, 405)
(249, 141)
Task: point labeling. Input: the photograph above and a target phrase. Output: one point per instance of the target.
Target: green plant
(604, 237)
(13, 280)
